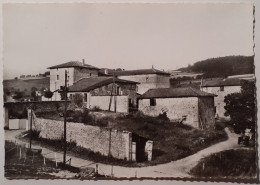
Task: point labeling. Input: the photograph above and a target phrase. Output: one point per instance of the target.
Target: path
(175, 169)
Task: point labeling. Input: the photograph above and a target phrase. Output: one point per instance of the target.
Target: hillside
(28, 84)
(222, 66)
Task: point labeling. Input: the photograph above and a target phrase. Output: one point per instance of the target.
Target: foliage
(48, 94)
(241, 107)
(223, 66)
(78, 100)
(18, 95)
(230, 163)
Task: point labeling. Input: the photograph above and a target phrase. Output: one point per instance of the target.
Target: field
(22, 85)
(228, 164)
(19, 164)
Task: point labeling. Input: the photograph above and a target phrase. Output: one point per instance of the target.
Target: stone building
(102, 91)
(147, 78)
(221, 88)
(187, 105)
(75, 71)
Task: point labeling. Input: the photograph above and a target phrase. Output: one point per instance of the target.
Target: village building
(75, 71)
(187, 105)
(147, 78)
(105, 93)
(221, 88)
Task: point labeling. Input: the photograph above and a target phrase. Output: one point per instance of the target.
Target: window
(152, 102)
(89, 74)
(57, 77)
(221, 88)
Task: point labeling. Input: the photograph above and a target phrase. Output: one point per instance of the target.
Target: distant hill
(28, 84)
(222, 66)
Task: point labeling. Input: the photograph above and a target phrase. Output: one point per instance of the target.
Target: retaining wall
(103, 140)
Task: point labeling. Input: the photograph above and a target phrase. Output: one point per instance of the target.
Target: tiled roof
(225, 82)
(73, 64)
(174, 93)
(137, 72)
(88, 84)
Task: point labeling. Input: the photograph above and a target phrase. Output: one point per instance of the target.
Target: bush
(163, 116)
(220, 125)
(48, 94)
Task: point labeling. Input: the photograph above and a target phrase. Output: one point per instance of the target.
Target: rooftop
(73, 64)
(138, 72)
(88, 84)
(174, 93)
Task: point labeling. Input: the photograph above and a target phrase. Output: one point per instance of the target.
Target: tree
(48, 94)
(241, 107)
(18, 95)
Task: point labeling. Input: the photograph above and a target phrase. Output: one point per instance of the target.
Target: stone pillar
(149, 149)
(133, 151)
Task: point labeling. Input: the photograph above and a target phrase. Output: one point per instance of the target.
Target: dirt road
(175, 169)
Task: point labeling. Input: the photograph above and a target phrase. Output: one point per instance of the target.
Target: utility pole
(65, 121)
(110, 101)
(31, 128)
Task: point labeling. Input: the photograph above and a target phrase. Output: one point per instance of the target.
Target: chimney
(83, 61)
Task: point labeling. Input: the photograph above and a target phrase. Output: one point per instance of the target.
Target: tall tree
(241, 107)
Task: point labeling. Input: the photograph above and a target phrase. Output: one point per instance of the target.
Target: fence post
(97, 169)
(112, 171)
(55, 159)
(20, 152)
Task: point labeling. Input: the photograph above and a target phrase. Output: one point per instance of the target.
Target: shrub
(48, 94)
(78, 100)
(163, 116)
(220, 125)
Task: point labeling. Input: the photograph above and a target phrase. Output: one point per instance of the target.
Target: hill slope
(223, 66)
(22, 85)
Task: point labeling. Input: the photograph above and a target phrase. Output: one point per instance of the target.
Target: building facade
(187, 105)
(221, 88)
(75, 71)
(105, 92)
(147, 78)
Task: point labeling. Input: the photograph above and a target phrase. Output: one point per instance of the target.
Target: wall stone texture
(219, 99)
(148, 81)
(199, 111)
(206, 112)
(176, 108)
(103, 140)
(102, 102)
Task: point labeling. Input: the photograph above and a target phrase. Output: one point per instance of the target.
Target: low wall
(15, 124)
(103, 140)
(102, 102)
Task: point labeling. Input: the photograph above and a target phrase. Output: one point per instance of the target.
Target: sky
(129, 36)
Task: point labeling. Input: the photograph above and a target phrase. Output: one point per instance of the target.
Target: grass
(240, 163)
(29, 166)
(171, 141)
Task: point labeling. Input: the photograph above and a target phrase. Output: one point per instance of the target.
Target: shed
(187, 105)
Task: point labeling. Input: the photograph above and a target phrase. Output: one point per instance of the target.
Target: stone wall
(80, 73)
(148, 81)
(206, 112)
(103, 140)
(219, 99)
(176, 109)
(102, 102)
